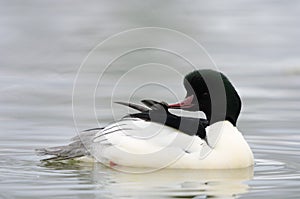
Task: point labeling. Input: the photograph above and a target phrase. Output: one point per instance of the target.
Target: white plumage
(138, 143)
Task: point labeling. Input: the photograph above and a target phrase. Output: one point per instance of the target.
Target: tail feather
(60, 150)
(73, 150)
(79, 147)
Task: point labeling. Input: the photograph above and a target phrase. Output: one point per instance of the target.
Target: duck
(155, 137)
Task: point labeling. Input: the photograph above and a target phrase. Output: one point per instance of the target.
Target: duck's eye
(205, 94)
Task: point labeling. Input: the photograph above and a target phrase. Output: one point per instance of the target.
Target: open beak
(186, 103)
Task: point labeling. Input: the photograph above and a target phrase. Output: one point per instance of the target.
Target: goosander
(156, 138)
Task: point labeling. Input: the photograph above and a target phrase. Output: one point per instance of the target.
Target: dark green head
(211, 92)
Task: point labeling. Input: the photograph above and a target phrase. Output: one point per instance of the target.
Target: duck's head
(211, 92)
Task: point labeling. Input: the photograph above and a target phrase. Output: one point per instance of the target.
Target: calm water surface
(44, 42)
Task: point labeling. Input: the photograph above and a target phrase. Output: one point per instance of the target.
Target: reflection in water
(168, 183)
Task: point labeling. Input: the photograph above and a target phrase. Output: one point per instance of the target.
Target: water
(43, 43)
